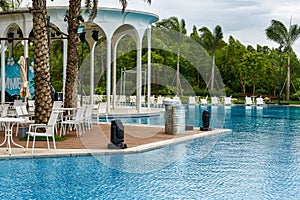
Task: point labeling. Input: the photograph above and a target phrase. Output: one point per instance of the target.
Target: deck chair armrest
(35, 125)
(41, 126)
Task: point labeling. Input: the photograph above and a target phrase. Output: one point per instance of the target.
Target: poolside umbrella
(24, 91)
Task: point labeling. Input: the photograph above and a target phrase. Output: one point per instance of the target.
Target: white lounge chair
(259, 101)
(248, 101)
(204, 101)
(227, 101)
(192, 100)
(49, 131)
(214, 101)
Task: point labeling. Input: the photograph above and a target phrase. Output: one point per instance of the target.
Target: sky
(245, 20)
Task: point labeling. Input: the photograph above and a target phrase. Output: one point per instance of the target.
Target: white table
(9, 123)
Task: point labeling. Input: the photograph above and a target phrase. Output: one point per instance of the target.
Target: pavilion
(110, 23)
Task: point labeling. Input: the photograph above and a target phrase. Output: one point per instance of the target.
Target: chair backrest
(51, 123)
(248, 100)
(160, 100)
(79, 114)
(132, 99)
(57, 104)
(259, 101)
(89, 111)
(192, 100)
(214, 100)
(19, 111)
(31, 105)
(227, 100)
(24, 110)
(4, 109)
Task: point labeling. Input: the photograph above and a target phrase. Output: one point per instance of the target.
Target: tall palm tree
(42, 85)
(73, 42)
(286, 37)
(174, 24)
(211, 41)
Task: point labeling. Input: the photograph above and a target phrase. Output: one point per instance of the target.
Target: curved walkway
(137, 137)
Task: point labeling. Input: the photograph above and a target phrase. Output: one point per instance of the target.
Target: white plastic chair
(259, 101)
(49, 131)
(204, 101)
(248, 101)
(192, 100)
(76, 122)
(227, 101)
(214, 100)
(87, 118)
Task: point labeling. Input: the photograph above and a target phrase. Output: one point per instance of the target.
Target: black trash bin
(117, 135)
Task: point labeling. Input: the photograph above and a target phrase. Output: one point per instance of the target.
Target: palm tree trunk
(42, 85)
(72, 60)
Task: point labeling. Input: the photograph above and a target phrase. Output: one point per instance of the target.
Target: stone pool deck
(138, 138)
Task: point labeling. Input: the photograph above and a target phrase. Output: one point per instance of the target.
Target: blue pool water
(260, 159)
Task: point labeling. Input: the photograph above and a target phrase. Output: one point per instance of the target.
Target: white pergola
(111, 24)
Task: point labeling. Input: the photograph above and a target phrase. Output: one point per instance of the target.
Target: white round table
(9, 123)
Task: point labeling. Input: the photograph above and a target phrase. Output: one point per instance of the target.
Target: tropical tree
(42, 85)
(173, 24)
(285, 37)
(4, 5)
(211, 41)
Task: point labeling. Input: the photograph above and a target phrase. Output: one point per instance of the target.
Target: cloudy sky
(245, 20)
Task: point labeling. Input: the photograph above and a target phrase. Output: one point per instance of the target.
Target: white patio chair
(248, 101)
(132, 99)
(76, 122)
(204, 101)
(88, 119)
(192, 100)
(21, 114)
(227, 101)
(214, 101)
(49, 131)
(260, 101)
(31, 106)
(160, 101)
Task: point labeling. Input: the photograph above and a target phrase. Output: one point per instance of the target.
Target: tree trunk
(72, 60)
(42, 85)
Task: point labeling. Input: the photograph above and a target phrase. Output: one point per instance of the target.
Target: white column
(149, 67)
(2, 71)
(92, 71)
(26, 61)
(108, 75)
(114, 74)
(139, 77)
(65, 61)
(25, 49)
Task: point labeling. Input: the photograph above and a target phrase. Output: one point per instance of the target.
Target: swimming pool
(260, 159)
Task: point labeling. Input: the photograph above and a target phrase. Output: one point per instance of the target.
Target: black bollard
(205, 121)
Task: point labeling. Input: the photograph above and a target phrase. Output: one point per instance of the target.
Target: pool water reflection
(258, 160)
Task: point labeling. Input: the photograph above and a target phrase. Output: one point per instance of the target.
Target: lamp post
(82, 39)
(280, 65)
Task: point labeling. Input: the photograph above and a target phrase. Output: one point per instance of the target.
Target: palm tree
(286, 37)
(4, 5)
(211, 41)
(173, 24)
(73, 42)
(42, 85)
